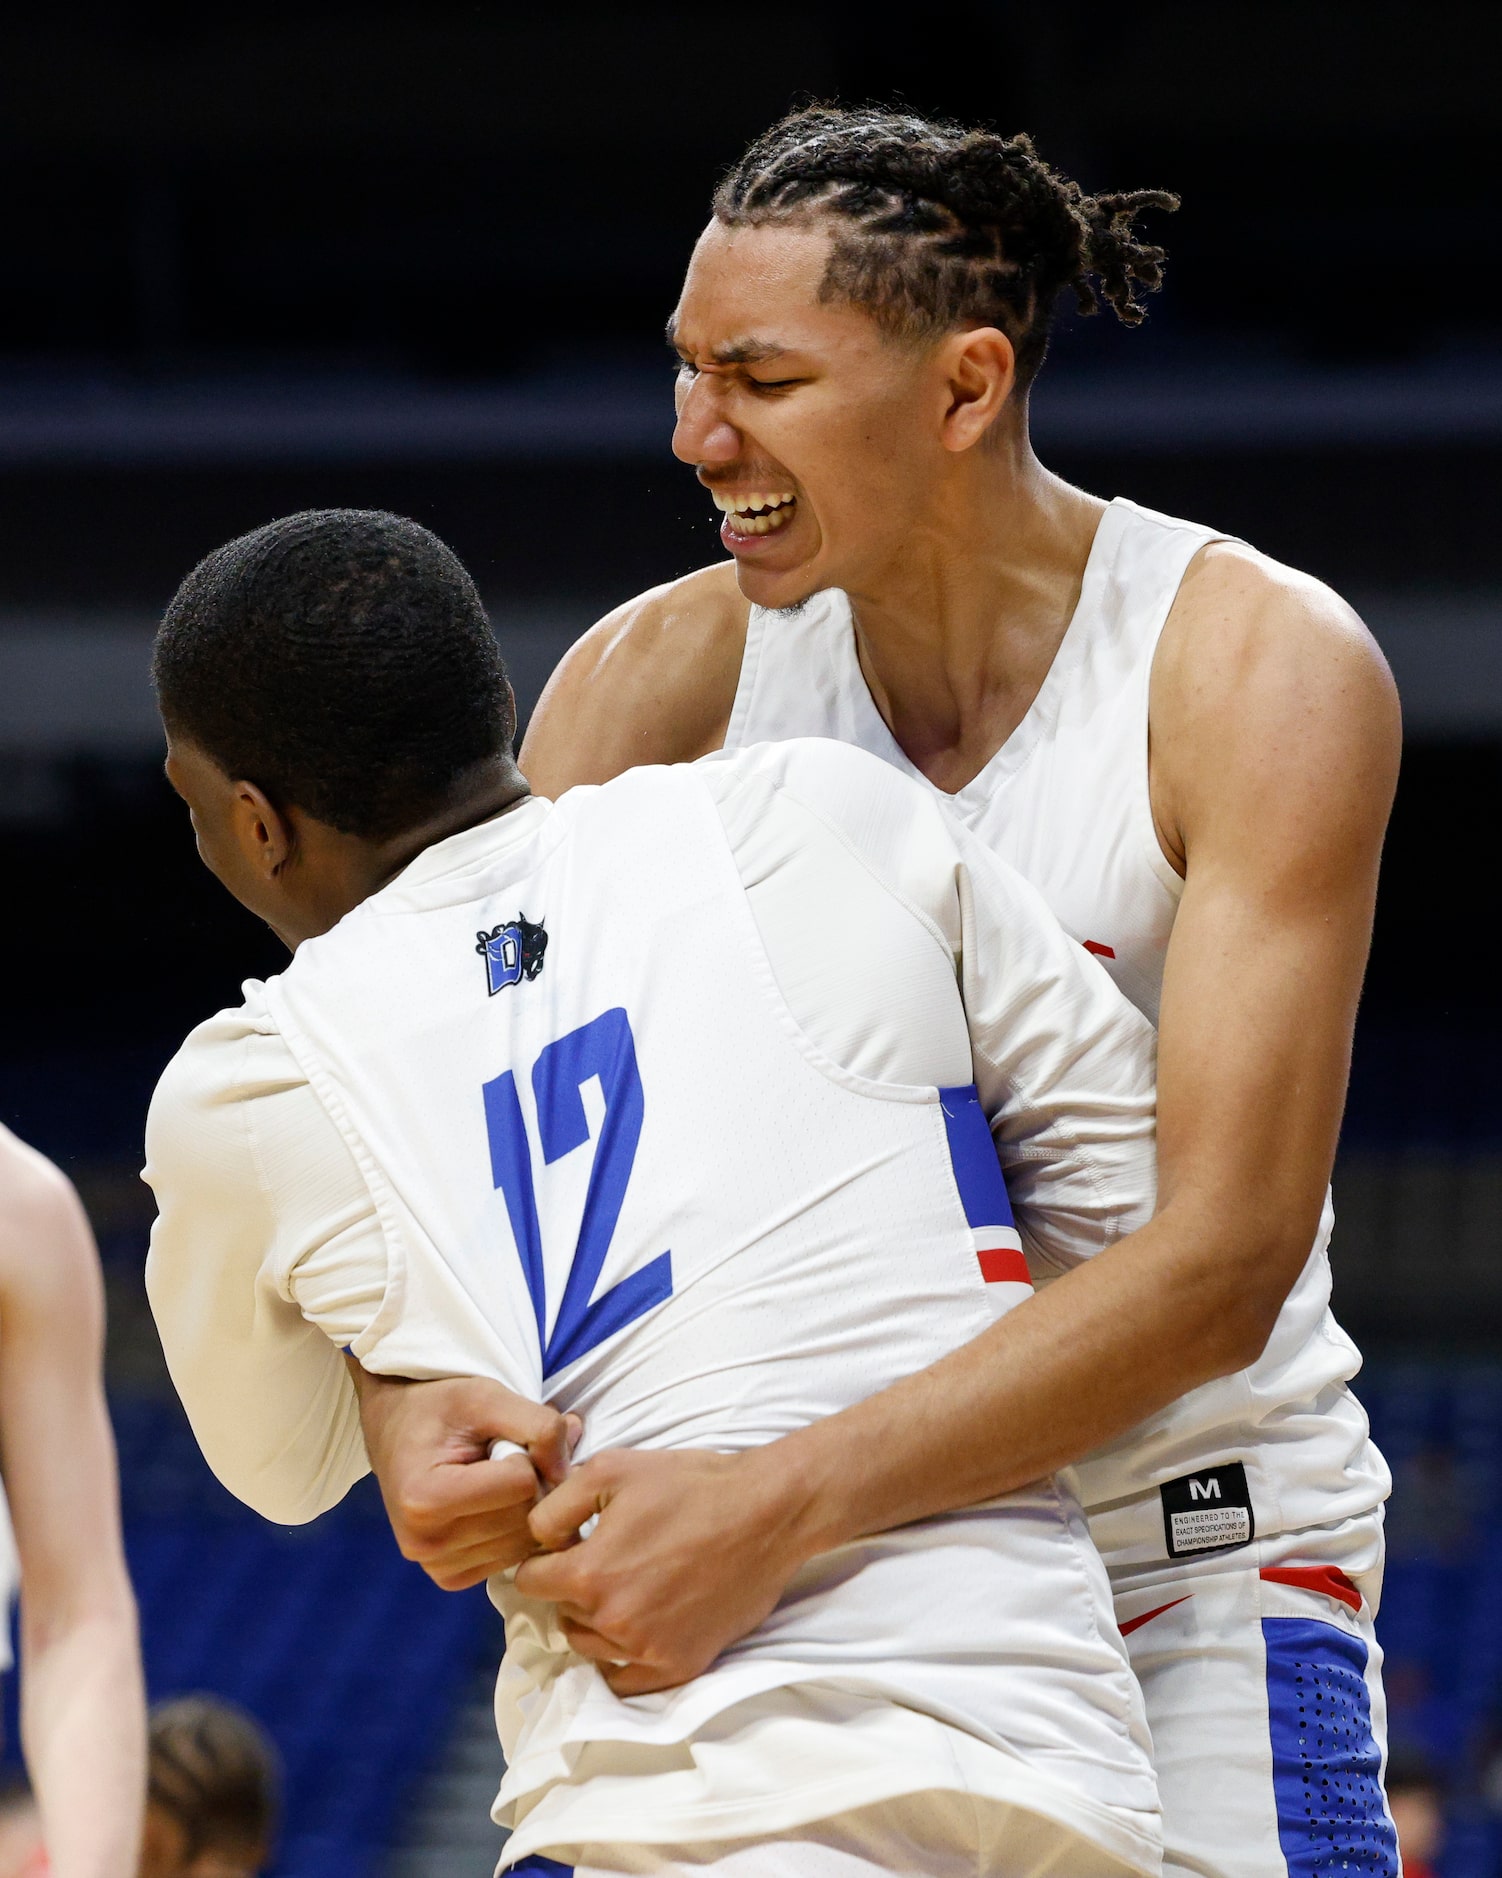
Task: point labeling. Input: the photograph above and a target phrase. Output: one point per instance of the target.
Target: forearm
(1079, 1364)
(692, 1550)
(83, 1729)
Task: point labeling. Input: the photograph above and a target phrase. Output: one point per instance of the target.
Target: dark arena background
(419, 256)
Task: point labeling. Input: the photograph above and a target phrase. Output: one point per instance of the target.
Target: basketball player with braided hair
(1191, 750)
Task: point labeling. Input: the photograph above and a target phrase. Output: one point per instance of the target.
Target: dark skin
(298, 873)
(301, 876)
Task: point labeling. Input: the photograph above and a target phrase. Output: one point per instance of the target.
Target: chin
(779, 592)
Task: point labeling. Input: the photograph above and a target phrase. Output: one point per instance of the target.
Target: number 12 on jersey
(603, 1048)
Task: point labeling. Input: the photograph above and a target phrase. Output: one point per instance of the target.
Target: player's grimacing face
(816, 434)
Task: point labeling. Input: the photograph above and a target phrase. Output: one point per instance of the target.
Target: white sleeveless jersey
(1065, 801)
(614, 1174)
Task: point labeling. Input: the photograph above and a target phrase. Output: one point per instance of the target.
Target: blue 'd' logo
(513, 951)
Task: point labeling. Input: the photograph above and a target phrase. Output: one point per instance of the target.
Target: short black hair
(213, 1768)
(937, 225)
(341, 660)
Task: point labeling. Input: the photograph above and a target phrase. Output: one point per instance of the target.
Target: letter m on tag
(1210, 1511)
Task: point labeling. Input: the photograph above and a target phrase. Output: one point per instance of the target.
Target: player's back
(582, 1098)
(613, 1171)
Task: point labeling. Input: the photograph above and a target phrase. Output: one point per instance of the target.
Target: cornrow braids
(213, 1768)
(937, 226)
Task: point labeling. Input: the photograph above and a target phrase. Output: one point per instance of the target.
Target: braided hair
(342, 660)
(212, 1768)
(936, 226)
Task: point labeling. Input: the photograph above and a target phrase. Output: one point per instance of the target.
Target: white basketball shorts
(938, 1835)
(1263, 1683)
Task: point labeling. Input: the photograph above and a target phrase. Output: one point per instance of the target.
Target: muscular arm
(82, 1713)
(1275, 759)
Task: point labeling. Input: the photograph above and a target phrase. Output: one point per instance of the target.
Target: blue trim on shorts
(543, 1867)
(1327, 1769)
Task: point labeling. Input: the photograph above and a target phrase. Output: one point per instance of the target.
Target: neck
(957, 629)
(485, 792)
(340, 871)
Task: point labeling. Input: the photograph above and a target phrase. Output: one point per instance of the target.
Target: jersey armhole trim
(745, 684)
(1162, 869)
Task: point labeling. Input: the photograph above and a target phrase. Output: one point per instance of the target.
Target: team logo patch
(1208, 1512)
(512, 951)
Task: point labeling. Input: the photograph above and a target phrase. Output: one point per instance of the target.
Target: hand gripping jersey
(1284, 1444)
(614, 1173)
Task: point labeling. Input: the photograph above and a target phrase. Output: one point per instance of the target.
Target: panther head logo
(512, 951)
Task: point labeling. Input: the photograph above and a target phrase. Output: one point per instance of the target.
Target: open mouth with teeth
(755, 514)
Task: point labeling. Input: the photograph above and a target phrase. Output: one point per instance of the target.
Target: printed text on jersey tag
(1210, 1511)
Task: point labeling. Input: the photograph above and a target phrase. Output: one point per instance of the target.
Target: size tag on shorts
(1208, 1512)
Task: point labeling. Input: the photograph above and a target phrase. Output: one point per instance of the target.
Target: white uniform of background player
(720, 1167)
(1243, 1525)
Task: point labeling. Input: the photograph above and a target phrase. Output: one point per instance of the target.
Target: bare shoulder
(653, 682)
(32, 1189)
(1266, 684)
(1238, 607)
(45, 1242)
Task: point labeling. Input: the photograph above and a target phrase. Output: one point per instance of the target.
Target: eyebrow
(733, 352)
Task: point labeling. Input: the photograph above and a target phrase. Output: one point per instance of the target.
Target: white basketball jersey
(1065, 801)
(614, 1174)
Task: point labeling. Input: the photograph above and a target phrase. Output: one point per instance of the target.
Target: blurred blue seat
(1441, 1619)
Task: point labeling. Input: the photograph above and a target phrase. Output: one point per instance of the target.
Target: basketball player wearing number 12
(1191, 751)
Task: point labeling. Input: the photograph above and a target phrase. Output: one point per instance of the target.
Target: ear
(261, 831)
(980, 371)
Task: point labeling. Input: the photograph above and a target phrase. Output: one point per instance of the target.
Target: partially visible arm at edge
(82, 1705)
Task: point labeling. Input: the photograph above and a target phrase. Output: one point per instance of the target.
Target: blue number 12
(603, 1048)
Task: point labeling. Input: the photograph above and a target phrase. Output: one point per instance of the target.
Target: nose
(702, 434)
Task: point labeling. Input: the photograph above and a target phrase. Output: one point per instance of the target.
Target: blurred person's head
(212, 1791)
(860, 324)
(22, 1852)
(334, 701)
(1417, 1806)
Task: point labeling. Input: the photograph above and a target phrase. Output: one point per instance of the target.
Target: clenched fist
(691, 1553)
(458, 1513)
